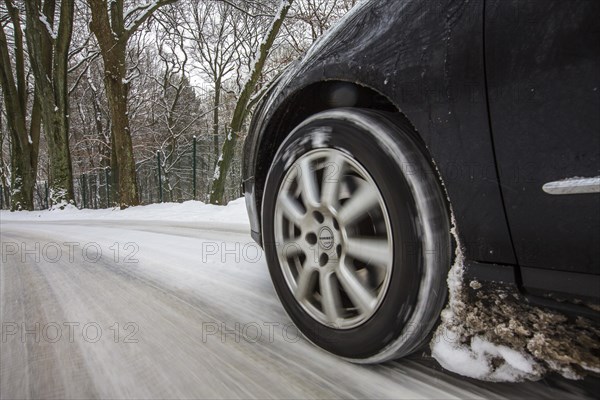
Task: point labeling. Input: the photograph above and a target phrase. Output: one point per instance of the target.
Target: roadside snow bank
(190, 211)
(495, 335)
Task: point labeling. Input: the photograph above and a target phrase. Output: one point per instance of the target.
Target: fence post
(149, 186)
(194, 165)
(96, 188)
(107, 187)
(160, 189)
(47, 196)
(83, 191)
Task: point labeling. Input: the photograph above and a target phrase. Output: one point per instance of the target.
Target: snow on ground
(488, 336)
(190, 211)
(207, 325)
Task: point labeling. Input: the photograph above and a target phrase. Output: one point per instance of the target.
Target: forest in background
(118, 102)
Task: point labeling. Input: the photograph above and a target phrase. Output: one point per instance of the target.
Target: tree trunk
(23, 176)
(56, 129)
(216, 105)
(24, 144)
(241, 108)
(48, 52)
(117, 96)
(24, 152)
(109, 28)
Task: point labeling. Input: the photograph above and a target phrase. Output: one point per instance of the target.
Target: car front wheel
(356, 233)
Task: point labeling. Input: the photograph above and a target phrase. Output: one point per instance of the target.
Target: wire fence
(175, 177)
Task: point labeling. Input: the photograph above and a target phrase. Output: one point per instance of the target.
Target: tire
(357, 184)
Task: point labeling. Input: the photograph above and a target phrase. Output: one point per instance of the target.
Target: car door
(543, 77)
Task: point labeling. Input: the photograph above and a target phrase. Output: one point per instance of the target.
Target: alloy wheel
(333, 238)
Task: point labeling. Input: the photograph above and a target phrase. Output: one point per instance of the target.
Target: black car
(411, 118)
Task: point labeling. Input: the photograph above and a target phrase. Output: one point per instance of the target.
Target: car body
(505, 96)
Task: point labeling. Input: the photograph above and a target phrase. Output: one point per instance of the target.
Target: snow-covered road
(183, 309)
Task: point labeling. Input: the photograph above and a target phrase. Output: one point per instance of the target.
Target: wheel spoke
(290, 207)
(375, 251)
(359, 204)
(305, 282)
(291, 249)
(360, 296)
(308, 184)
(334, 170)
(330, 296)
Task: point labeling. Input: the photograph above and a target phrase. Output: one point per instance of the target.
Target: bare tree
(213, 35)
(319, 15)
(48, 52)
(15, 90)
(243, 103)
(175, 102)
(90, 124)
(309, 19)
(4, 168)
(196, 69)
(113, 27)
